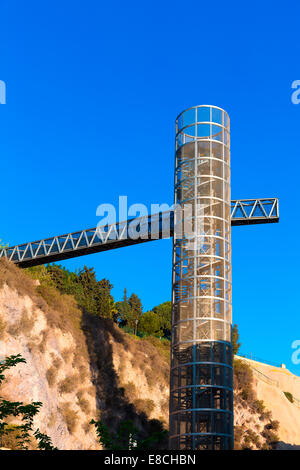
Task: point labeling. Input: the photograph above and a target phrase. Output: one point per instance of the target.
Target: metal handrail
(113, 236)
(258, 359)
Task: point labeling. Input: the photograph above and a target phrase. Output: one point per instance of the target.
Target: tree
(136, 310)
(88, 281)
(150, 324)
(127, 437)
(235, 338)
(26, 413)
(164, 313)
(105, 302)
(3, 246)
(123, 309)
(63, 279)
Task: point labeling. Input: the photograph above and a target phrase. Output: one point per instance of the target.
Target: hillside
(270, 383)
(81, 366)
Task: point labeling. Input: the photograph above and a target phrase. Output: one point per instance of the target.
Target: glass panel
(189, 117)
(217, 116)
(203, 114)
(203, 131)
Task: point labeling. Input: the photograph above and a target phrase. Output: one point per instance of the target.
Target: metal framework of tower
(201, 396)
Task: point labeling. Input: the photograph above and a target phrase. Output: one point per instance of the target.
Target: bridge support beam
(201, 397)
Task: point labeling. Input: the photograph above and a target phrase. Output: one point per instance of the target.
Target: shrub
(2, 328)
(23, 325)
(238, 433)
(70, 416)
(51, 375)
(42, 344)
(271, 437)
(57, 362)
(83, 372)
(289, 396)
(272, 425)
(151, 376)
(253, 437)
(128, 437)
(67, 354)
(144, 405)
(164, 405)
(130, 390)
(162, 346)
(10, 439)
(15, 278)
(68, 384)
(86, 427)
(83, 403)
(52, 420)
(243, 381)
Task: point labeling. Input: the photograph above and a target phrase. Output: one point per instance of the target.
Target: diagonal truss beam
(254, 211)
(154, 227)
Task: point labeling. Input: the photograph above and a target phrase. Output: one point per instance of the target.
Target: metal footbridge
(108, 237)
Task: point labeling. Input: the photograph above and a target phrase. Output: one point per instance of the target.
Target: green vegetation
(243, 384)
(150, 324)
(95, 297)
(19, 436)
(164, 313)
(235, 339)
(91, 295)
(3, 246)
(127, 437)
(289, 396)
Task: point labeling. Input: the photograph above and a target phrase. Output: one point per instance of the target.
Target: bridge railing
(254, 211)
(139, 230)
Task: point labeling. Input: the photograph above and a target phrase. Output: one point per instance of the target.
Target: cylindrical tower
(201, 397)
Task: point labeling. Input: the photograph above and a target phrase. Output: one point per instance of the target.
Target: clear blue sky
(93, 89)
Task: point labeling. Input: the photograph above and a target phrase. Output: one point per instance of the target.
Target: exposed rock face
(50, 355)
(79, 366)
(270, 383)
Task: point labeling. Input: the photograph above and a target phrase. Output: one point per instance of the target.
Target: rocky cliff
(82, 367)
(79, 366)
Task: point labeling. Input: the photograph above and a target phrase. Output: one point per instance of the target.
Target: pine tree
(136, 310)
(88, 297)
(105, 303)
(123, 309)
(235, 338)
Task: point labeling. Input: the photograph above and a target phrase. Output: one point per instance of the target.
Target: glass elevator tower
(201, 396)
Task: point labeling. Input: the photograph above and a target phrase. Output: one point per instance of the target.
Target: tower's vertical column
(201, 398)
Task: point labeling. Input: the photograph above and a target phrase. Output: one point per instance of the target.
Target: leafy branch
(18, 410)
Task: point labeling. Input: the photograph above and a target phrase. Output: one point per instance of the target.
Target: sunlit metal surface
(201, 395)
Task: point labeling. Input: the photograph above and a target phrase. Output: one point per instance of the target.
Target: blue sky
(93, 90)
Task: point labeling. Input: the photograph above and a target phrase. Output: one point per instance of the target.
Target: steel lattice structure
(254, 211)
(84, 242)
(201, 390)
